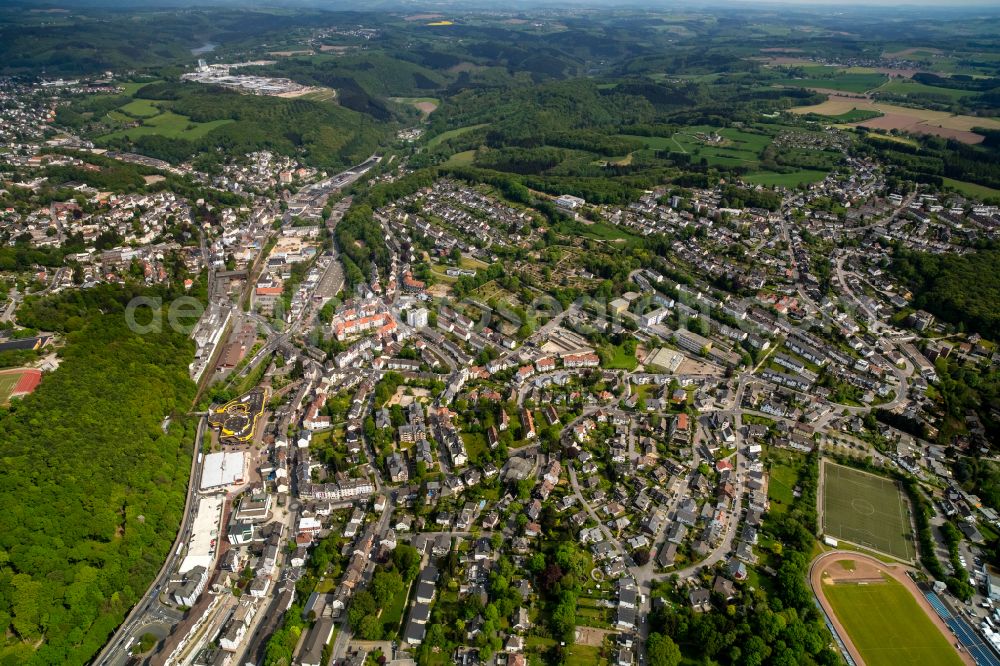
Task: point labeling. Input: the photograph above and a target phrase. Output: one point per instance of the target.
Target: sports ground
(880, 614)
(866, 510)
(18, 382)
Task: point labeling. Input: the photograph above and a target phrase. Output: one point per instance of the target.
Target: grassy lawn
(971, 189)
(867, 510)
(170, 125)
(538, 643)
(472, 262)
(582, 655)
(605, 231)
(132, 87)
(475, 445)
(620, 359)
(803, 176)
(593, 617)
(140, 108)
(463, 158)
(326, 585)
(784, 476)
(451, 134)
(392, 614)
(888, 627)
(585, 655)
(654, 142)
(645, 391)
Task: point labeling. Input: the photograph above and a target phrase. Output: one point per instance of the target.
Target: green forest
(932, 158)
(91, 487)
(323, 134)
(962, 289)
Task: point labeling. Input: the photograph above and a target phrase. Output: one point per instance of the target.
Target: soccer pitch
(8, 382)
(866, 510)
(888, 627)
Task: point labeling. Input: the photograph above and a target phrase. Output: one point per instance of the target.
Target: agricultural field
(866, 510)
(893, 138)
(920, 121)
(887, 625)
(656, 142)
(833, 78)
(912, 88)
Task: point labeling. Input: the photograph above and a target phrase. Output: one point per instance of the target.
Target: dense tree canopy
(961, 289)
(92, 487)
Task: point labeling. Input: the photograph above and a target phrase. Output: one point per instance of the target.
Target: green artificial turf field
(866, 510)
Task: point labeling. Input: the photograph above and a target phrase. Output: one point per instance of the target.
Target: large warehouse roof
(223, 468)
(201, 549)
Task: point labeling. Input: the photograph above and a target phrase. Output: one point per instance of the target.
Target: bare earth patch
(591, 636)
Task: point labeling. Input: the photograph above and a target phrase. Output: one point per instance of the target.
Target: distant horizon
(516, 5)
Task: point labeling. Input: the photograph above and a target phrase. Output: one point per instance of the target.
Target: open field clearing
(463, 158)
(835, 78)
(800, 177)
(451, 134)
(321, 95)
(971, 189)
(425, 105)
(170, 125)
(140, 108)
